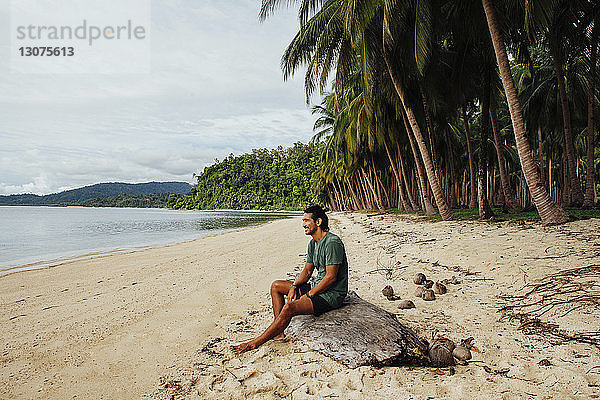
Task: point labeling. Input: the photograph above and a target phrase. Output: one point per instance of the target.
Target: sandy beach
(158, 323)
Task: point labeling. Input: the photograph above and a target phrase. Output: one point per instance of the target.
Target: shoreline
(46, 262)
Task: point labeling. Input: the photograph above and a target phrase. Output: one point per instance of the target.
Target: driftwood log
(360, 333)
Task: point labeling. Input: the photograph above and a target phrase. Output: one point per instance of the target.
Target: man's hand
(292, 294)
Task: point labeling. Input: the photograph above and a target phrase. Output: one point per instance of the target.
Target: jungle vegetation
(278, 179)
(153, 200)
(438, 105)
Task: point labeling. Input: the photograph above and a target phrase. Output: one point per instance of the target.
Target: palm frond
(423, 33)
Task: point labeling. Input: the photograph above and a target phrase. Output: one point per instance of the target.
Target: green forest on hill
(111, 194)
(264, 179)
(153, 200)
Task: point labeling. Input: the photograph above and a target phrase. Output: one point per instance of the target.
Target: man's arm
(301, 279)
(305, 274)
(328, 280)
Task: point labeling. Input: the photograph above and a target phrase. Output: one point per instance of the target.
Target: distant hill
(97, 191)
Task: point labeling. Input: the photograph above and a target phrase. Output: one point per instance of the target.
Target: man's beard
(309, 231)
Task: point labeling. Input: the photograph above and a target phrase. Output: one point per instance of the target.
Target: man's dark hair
(317, 212)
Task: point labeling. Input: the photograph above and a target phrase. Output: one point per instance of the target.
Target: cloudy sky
(214, 88)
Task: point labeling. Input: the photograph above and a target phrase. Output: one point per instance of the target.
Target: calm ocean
(33, 237)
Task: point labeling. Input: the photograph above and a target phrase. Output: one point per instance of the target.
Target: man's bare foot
(281, 336)
(244, 347)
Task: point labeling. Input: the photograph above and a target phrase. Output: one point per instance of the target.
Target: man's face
(309, 224)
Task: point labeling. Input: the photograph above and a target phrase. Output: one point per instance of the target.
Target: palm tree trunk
(473, 197)
(429, 209)
(356, 204)
(375, 189)
(445, 211)
(403, 204)
(385, 193)
(429, 124)
(509, 197)
(550, 181)
(541, 157)
(371, 189)
(329, 200)
(565, 173)
(590, 179)
(550, 213)
(574, 184)
(485, 211)
(501, 199)
(411, 200)
(361, 196)
(338, 196)
(451, 174)
(347, 198)
(342, 194)
(365, 191)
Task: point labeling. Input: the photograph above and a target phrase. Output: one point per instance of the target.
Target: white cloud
(215, 88)
(39, 185)
(159, 149)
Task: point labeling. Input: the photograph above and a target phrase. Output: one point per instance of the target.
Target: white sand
(109, 327)
(159, 322)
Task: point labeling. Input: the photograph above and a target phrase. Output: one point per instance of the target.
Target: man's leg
(301, 306)
(279, 290)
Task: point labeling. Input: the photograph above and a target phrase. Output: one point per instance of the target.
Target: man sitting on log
(326, 253)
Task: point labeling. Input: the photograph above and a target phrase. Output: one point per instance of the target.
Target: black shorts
(320, 305)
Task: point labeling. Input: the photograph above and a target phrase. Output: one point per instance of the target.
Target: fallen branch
(424, 241)
(544, 257)
(387, 270)
(376, 214)
(556, 296)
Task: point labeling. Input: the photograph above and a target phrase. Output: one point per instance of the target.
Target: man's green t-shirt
(328, 251)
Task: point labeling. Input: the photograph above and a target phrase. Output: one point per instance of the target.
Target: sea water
(35, 237)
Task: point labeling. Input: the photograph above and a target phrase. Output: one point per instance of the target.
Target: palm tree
(509, 197)
(473, 177)
(429, 209)
(590, 181)
(397, 45)
(560, 29)
(333, 35)
(485, 211)
(401, 80)
(540, 96)
(549, 212)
